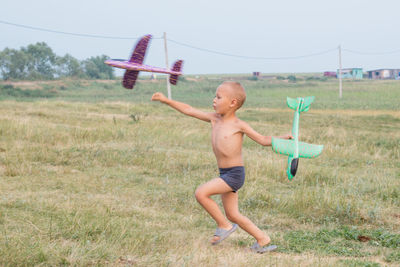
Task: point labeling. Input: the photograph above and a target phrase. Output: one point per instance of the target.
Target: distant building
(330, 74)
(352, 73)
(384, 74)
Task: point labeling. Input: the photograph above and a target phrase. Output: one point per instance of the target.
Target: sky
(246, 36)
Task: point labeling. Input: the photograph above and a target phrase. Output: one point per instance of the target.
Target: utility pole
(340, 71)
(166, 62)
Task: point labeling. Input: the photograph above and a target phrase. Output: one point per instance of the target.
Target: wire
(247, 57)
(173, 41)
(372, 53)
(71, 33)
(197, 48)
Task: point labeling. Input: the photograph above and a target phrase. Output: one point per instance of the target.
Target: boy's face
(223, 100)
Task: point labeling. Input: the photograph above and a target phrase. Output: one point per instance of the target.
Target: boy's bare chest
(224, 133)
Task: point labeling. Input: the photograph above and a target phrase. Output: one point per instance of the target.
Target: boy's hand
(288, 136)
(159, 97)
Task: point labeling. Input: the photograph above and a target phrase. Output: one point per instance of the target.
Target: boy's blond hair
(237, 92)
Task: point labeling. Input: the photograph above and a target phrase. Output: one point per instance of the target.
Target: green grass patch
(393, 257)
(11, 92)
(358, 263)
(361, 95)
(343, 241)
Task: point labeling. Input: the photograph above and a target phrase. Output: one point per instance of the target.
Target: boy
(227, 139)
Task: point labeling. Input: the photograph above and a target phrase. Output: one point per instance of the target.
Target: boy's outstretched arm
(183, 108)
(261, 139)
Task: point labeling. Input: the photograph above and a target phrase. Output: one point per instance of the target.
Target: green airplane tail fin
(293, 103)
(287, 147)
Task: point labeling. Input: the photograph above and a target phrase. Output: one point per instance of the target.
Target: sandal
(222, 233)
(259, 249)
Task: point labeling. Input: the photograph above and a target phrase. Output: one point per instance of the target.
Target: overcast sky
(259, 29)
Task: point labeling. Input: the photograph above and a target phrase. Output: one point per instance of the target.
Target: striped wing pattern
(140, 50)
(129, 79)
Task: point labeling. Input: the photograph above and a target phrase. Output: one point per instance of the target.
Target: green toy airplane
(293, 148)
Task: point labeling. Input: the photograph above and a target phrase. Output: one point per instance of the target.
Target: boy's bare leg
(203, 194)
(230, 202)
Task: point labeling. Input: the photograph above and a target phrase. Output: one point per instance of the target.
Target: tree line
(39, 62)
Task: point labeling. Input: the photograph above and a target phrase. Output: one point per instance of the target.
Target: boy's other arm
(183, 108)
(261, 139)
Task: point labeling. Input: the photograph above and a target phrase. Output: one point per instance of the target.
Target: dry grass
(112, 184)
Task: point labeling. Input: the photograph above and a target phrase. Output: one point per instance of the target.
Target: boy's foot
(221, 234)
(262, 249)
(264, 241)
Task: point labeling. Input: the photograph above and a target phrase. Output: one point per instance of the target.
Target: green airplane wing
(287, 147)
(307, 102)
(293, 103)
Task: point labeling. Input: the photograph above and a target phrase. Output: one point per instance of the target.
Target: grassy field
(92, 174)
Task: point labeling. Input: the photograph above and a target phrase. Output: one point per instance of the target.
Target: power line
(173, 41)
(70, 33)
(247, 57)
(197, 48)
(372, 53)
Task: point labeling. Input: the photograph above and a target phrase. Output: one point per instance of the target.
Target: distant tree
(68, 66)
(292, 78)
(96, 69)
(41, 61)
(14, 64)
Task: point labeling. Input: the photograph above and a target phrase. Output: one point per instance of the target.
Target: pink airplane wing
(130, 77)
(173, 78)
(140, 50)
(137, 57)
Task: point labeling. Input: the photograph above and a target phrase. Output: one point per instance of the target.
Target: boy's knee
(199, 194)
(234, 217)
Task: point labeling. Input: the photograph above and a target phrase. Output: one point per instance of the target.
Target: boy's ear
(234, 102)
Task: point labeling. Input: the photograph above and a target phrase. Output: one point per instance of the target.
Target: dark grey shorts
(233, 176)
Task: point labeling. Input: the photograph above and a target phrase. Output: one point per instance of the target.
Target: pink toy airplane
(134, 65)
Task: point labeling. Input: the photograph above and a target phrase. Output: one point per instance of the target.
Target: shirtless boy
(227, 139)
